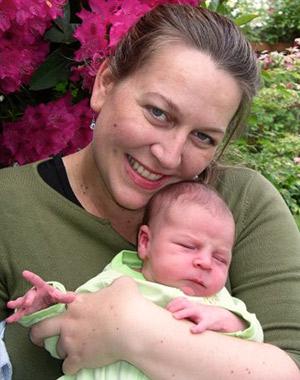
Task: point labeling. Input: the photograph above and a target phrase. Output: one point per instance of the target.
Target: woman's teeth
(143, 172)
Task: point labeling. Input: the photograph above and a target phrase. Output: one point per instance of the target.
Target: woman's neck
(88, 187)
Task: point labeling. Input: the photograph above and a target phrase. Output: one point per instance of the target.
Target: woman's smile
(143, 176)
(142, 170)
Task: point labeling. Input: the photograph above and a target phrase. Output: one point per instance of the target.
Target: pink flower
(155, 3)
(22, 24)
(104, 26)
(18, 64)
(91, 34)
(126, 17)
(45, 130)
(82, 132)
(106, 8)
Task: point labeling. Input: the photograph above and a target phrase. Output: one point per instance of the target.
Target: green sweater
(43, 232)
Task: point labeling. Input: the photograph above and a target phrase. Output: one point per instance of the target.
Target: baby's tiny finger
(176, 304)
(197, 329)
(29, 298)
(69, 297)
(14, 304)
(64, 297)
(15, 317)
(11, 319)
(33, 278)
(182, 314)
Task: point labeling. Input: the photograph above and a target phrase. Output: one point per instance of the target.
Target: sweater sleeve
(265, 269)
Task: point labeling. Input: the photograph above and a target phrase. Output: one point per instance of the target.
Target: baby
(182, 263)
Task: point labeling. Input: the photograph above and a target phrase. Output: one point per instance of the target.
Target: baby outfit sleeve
(51, 311)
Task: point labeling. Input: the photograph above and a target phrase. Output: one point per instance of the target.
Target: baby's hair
(186, 192)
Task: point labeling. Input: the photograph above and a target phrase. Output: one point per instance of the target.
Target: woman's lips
(143, 176)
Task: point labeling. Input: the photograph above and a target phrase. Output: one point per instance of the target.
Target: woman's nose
(169, 151)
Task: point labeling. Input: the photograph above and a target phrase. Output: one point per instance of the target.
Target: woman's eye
(204, 138)
(158, 114)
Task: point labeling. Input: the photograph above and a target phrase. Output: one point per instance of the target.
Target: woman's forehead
(189, 81)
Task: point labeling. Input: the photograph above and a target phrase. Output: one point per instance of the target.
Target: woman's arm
(125, 326)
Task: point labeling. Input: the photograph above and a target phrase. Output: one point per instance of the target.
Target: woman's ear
(144, 237)
(104, 82)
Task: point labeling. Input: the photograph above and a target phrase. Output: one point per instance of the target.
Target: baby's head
(186, 239)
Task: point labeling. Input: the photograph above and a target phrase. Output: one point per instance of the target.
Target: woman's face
(160, 125)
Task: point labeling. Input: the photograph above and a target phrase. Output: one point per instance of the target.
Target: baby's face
(188, 248)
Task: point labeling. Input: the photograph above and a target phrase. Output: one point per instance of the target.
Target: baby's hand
(37, 298)
(205, 317)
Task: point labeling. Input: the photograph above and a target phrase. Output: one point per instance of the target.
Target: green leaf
(245, 19)
(55, 69)
(57, 35)
(213, 4)
(63, 22)
(62, 30)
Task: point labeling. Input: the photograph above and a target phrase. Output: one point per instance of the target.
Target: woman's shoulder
(22, 173)
(240, 184)
(226, 175)
(21, 187)
(250, 196)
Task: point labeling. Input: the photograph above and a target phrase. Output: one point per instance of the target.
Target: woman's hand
(95, 330)
(117, 323)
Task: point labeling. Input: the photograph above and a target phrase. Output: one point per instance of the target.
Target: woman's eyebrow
(173, 107)
(218, 130)
(166, 100)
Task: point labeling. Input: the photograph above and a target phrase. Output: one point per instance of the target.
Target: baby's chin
(191, 288)
(188, 290)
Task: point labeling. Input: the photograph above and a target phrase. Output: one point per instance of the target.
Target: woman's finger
(71, 365)
(42, 330)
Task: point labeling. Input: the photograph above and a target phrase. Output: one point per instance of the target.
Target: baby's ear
(144, 237)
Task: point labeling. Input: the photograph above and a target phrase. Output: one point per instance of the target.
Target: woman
(178, 82)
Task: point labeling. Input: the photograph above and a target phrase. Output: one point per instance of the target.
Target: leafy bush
(282, 23)
(276, 20)
(273, 127)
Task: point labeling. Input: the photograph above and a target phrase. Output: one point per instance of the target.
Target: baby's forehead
(213, 209)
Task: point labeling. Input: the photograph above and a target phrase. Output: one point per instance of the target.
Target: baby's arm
(37, 298)
(206, 317)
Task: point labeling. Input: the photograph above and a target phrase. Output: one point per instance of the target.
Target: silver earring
(93, 123)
